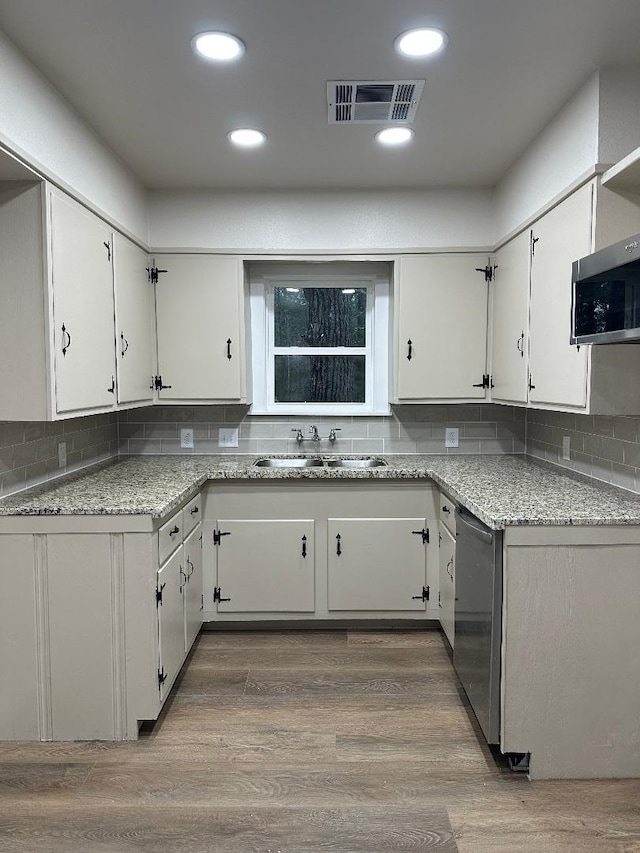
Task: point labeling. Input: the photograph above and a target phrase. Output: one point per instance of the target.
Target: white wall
(619, 126)
(321, 221)
(562, 153)
(37, 124)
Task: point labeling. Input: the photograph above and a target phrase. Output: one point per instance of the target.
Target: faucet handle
(299, 435)
(332, 433)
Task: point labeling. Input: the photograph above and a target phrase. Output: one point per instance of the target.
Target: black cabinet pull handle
(125, 344)
(108, 248)
(304, 546)
(194, 511)
(338, 544)
(445, 508)
(65, 344)
(175, 530)
(112, 390)
(229, 348)
(190, 567)
(531, 385)
(409, 349)
(520, 344)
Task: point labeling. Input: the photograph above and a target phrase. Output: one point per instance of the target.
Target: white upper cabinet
(510, 322)
(83, 311)
(134, 322)
(200, 328)
(532, 361)
(558, 370)
(57, 334)
(441, 328)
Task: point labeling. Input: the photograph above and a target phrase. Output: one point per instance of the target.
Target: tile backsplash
(606, 448)
(482, 428)
(29, 449)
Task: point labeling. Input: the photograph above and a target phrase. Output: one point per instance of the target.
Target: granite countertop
(500, 490)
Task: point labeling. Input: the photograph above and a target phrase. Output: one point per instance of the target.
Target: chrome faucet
(299, 435)
(332, 434)
(313, 429)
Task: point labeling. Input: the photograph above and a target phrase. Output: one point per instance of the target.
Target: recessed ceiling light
(246, 137)
(218, 47)
(394, 135)
(418, 43)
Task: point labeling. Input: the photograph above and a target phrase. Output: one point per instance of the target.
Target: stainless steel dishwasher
(478, 618)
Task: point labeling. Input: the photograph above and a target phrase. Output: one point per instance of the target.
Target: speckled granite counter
(500, 490)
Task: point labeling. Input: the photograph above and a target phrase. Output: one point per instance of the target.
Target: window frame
(376, 349)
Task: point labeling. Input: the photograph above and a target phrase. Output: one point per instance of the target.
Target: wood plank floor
(300, 742)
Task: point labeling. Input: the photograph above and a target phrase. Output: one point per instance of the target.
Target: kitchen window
(320, 339)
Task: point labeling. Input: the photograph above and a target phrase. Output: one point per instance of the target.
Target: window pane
(320, 379)
(320, 316)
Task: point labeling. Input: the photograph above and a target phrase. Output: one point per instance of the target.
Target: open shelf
(625, 175)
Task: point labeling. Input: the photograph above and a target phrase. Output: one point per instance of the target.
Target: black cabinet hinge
(162, 677)
(424, 596)
(153, 273)
(159, 594)
(487, 381)
(157, 384)
(488, 271)
(424, 533)
(217, 595)
(218, 534)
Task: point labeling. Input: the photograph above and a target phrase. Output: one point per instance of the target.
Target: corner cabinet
(98, 615)
(57, 331)
(532, 361)
(441, 328)
(200, 310)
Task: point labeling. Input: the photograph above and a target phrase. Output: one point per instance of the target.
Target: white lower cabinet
(323, 550)
(170, 620)
(192, 591)
(446, 592)
(377, 564)
(266, 566)
(94, 628)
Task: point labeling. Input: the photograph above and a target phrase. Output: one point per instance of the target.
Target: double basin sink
(317, 462)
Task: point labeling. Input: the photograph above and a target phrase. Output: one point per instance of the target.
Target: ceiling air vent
(373, 101)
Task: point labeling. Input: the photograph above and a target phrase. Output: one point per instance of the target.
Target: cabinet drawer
(169, 536)
(448, 513)
(191, 514)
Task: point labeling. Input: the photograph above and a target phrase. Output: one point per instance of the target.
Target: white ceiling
(127, 67)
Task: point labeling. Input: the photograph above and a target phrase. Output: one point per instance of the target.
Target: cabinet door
(134, 322)
(199, 317)
(376, 563)
(446, 595)
(558, 370)
(193, 603)
(82, 308)
(510, 321)
(266, 566)
(441, 343)
(171, 619)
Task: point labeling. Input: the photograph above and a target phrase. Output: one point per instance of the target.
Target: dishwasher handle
(474, 525)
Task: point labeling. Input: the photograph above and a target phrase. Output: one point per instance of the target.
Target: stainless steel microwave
(606, 295)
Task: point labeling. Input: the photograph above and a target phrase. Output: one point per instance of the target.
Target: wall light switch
(451, 437)
(566, 447)
(228, 437)
(186, 439)
(62, 454)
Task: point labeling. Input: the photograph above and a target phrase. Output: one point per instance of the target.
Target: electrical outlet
(566, 447)
(62, 454)
(451, 437)
(186, 439)
(228, 437)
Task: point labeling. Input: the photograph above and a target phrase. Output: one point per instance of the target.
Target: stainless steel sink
(356, 463)
(289, 463)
